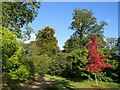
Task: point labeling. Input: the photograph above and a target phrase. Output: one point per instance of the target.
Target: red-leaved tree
(96, 62)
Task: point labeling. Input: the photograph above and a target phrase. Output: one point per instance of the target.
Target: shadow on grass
(42, 83)
(60, 85)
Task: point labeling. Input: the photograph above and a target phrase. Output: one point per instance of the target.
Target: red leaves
(96, 62)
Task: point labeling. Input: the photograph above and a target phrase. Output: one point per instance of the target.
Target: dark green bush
(59, 64)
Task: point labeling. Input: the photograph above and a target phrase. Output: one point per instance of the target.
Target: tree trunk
(96, 80)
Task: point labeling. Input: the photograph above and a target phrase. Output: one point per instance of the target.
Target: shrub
(59, 64)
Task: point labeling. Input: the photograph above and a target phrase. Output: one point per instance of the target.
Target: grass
(70, 85)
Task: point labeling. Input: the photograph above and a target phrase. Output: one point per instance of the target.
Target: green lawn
(70, 85)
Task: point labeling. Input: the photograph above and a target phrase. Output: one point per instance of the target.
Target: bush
(37, 65)
(12, 69)
(59, 64)
(78, 59)
(71, 65)
(111, 74)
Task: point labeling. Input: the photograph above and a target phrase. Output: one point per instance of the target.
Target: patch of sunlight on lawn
(63, 82)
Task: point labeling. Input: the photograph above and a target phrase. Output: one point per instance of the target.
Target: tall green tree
(46, 41)
(15, 15)
(84, 23)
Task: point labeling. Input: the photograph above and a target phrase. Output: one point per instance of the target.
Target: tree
(46, 41)
(11, 54)
(14, 70)
(15, 15)
(31, 48)
(118, 44)
(72, 44)
(34, 49)
(111, 42)
(84, 23)
(96, 62)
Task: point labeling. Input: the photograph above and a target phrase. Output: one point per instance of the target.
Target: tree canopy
(15, 15)
(46, 40)
(84, 23)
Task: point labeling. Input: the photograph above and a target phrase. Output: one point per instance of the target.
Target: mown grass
(64, 84)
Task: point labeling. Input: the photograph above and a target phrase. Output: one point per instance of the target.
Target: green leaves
(72, 44)
(15, 15)
(21, 73)
(78, 59)
(60, 65)
(11, 59)
(46, 41)
(27, 33)
(84, 24)
(9, 43)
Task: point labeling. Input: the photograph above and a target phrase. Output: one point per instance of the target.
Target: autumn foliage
(96, 62)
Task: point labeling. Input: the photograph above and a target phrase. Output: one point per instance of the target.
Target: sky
(58, 15)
